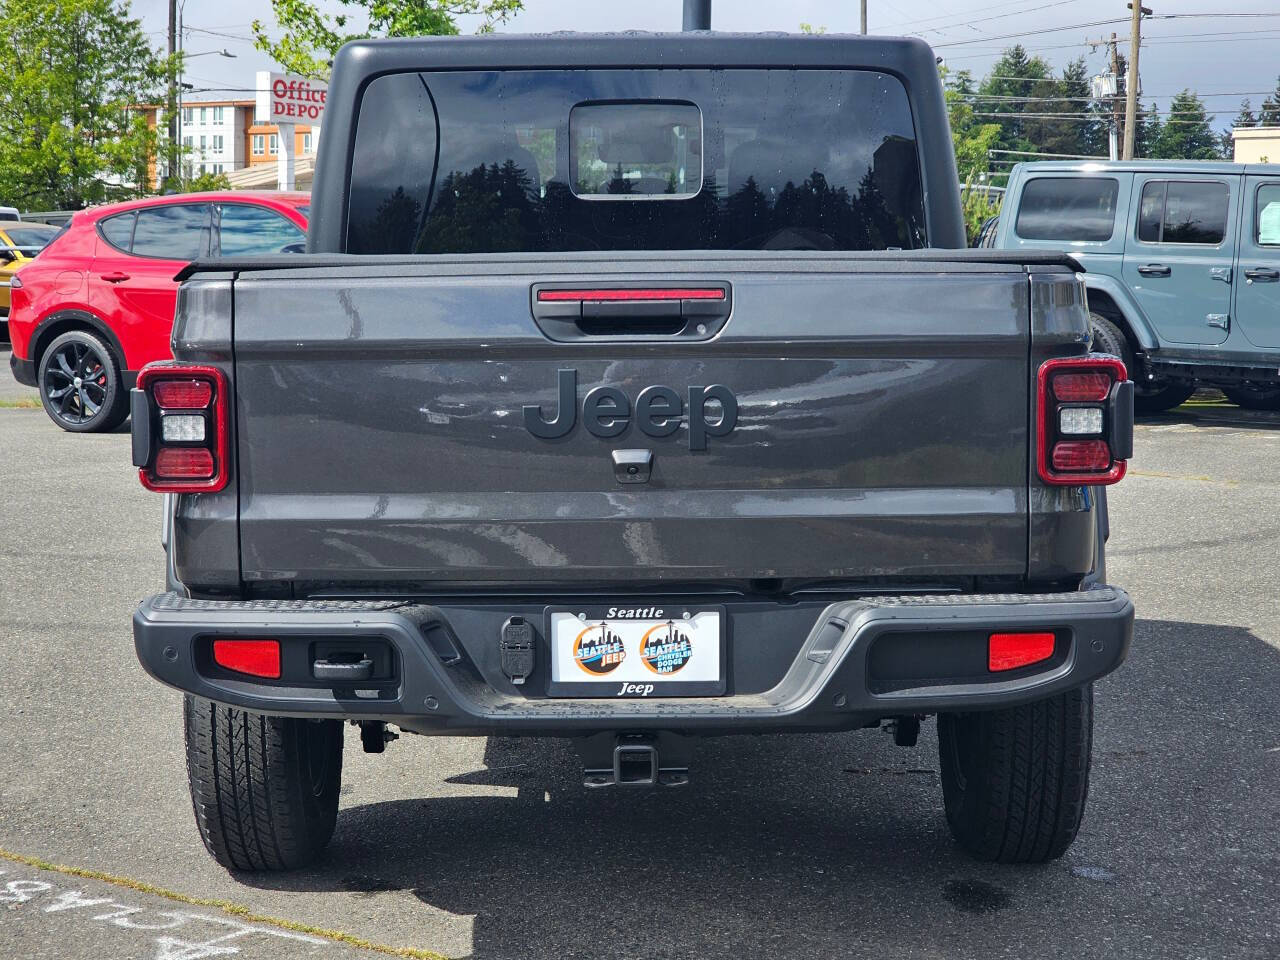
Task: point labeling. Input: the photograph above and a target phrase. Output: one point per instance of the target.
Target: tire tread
(1022, 795)
(250, 786)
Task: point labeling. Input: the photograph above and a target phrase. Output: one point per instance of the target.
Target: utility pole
(1107, 88)
(1117, 117)
(864, 17)
(697, 15)
(172, 104)
(1131, 82)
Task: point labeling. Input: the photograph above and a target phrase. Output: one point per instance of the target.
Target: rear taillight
(180, 432)
(1085, 421)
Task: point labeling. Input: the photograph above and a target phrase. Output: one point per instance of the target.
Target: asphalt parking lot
(782, 846)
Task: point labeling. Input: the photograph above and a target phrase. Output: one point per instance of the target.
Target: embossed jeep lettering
(658, 410)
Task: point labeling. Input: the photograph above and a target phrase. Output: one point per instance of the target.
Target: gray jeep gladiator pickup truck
(634, 389)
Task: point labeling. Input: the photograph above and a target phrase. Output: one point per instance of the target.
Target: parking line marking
(226, 906)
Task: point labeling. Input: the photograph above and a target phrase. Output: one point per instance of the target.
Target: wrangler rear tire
(264, 789)
(1254, 398)
(1015, 781)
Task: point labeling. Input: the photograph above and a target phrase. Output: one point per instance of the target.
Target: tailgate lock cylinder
(516, 646)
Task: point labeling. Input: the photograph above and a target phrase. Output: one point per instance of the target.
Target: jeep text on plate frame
(647, 649)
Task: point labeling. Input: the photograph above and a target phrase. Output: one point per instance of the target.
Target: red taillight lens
(258, 658)
(183, 463)
(183, 394)
(1078, 387)
(180, 428)
(1081, 455)
(1084, 429)
(1008, 651)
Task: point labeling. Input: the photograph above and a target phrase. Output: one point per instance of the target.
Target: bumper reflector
(1008, 651)
(258, 658)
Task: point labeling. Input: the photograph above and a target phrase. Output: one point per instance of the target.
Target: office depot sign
(285, 98)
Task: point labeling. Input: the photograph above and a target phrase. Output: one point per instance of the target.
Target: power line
(960, 22)
(1003, 99)
(1033, 33)
(966, 22)
(1098, 23)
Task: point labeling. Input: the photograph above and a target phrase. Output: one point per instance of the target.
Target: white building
(220, 136)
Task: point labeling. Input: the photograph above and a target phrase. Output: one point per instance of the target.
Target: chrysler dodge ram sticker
(636, 651)
(665, 648)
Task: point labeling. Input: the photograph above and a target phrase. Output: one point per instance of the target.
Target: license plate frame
(638, 676)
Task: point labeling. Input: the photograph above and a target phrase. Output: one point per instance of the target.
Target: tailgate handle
(569, 312)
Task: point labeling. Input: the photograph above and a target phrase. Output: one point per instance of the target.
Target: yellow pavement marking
(1177, 476)
(226, 906)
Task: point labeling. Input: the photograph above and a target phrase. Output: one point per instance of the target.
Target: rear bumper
(24, 371)
(855, 666)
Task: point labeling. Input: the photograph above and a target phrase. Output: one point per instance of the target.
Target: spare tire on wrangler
(1015, 781)
(264, 789)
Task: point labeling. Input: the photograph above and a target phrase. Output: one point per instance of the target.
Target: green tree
(1012, 89)
(1270, 113)
(74, 72)
(1186, 134)
(1245, 118)
(1149, 130)
(978, 206)
(309, 38)
(973, 141)
(208, 181)
(1037, 111)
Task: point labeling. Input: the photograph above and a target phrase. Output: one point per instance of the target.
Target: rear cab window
(1074, 209)
(579, 160)
(1266, 228)
(1184, 211)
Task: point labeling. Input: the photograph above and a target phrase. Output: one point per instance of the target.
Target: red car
(97, 304)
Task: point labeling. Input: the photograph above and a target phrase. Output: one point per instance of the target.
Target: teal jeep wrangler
(1183, 267)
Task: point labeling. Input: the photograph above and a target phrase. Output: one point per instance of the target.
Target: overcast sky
(1223, 57)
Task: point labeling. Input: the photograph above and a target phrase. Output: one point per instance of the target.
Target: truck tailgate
(881, 428)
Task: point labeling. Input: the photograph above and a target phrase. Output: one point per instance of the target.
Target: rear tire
(1253, 398)
(1107, 338)
(1015, 781)
(80, 385)
(264, 789)
(1158, 398)
(1149, 396)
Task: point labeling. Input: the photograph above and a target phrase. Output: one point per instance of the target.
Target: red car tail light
(1009, 651)
(257, 658)
(180, 428)
(1084, 429)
